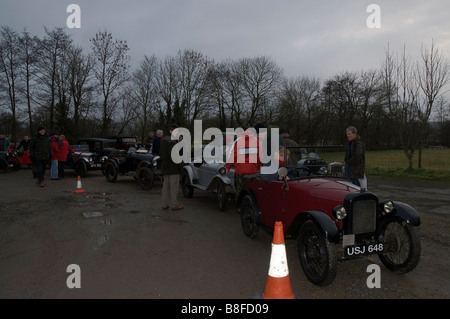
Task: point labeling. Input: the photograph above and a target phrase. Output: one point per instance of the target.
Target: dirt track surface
(128, 247)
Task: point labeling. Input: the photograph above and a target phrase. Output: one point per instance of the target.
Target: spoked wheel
(221, 196)
(186, 187)
(81, 168)
(317, 255)
(110, 172)
(401, 246)
(146, 178)
(249, 215)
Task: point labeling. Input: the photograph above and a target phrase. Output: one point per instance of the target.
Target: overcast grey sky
(314, 38)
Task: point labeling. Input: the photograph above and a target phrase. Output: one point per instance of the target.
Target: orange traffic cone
(79, 189)
(278, 284)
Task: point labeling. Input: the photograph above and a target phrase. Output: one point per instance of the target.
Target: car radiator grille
(364, 216)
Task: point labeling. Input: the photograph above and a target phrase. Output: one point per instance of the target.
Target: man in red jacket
(245, 155)
(62, 155)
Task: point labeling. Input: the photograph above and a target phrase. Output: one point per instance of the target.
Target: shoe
(42, 184)
(166, 207)
(177, 207)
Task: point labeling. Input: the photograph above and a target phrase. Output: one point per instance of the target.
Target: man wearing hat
(40, 153)
(294, 153)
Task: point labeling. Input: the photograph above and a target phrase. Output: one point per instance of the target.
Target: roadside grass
(394, 164)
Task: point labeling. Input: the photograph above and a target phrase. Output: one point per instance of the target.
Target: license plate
(365, 249)
(96, 165)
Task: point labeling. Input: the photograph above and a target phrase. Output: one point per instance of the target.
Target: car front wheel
(317, 255)
(401, 246)
(249, 216)
(186, 187)
(110, 172)
(81, 168)
(146, 178)
(221, 196)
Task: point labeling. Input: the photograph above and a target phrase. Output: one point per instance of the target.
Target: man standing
(40, 153)
(4, 143)
(25, 144)
(54, 143)
(157, 142)
(355, 158)
(294, 153)
(62, 157)
(170, 170)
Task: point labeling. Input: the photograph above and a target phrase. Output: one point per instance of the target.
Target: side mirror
(282, 172)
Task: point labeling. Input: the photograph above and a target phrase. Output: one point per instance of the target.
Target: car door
(271, 198)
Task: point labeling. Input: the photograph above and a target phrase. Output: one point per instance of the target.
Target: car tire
(221, 196)
(249, 220)
(186, 187)
(401, 246)
(317, 255)
(146, 178)
(110, 172)
(81, 168)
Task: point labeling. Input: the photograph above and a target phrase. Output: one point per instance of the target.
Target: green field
(393, 163)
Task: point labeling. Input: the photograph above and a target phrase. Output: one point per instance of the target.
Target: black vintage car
(141, 164)
(89, 154)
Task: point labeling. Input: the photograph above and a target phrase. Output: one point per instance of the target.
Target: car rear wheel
(317, 255)
(221, 196)
(81, 168)
(110, 172)
(146, 178)
(249, 216)
(186, 187)
(401, 246)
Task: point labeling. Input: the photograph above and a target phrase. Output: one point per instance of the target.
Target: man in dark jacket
(170, 170)
(40, 153)
(355, 158)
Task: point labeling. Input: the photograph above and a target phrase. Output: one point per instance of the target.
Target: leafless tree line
(54, 82)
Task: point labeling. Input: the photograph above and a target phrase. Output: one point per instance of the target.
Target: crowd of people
(246, 154)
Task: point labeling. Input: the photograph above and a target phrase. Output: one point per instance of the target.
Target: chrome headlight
(388, 207)
(222, 170)
(340, 212)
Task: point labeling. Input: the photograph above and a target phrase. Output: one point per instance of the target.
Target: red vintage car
(332, 219)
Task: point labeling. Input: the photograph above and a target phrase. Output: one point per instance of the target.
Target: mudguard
(324, 222)
(216, 179)
(405, 212)
(190, 172)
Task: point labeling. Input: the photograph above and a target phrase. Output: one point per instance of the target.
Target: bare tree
(28, 51)
(111, 71)
(194, 78)
(81, 87)
(259, 77)
(9, 68)
(143, 93)
(433, 73)
(53, 84)
(300, 108)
